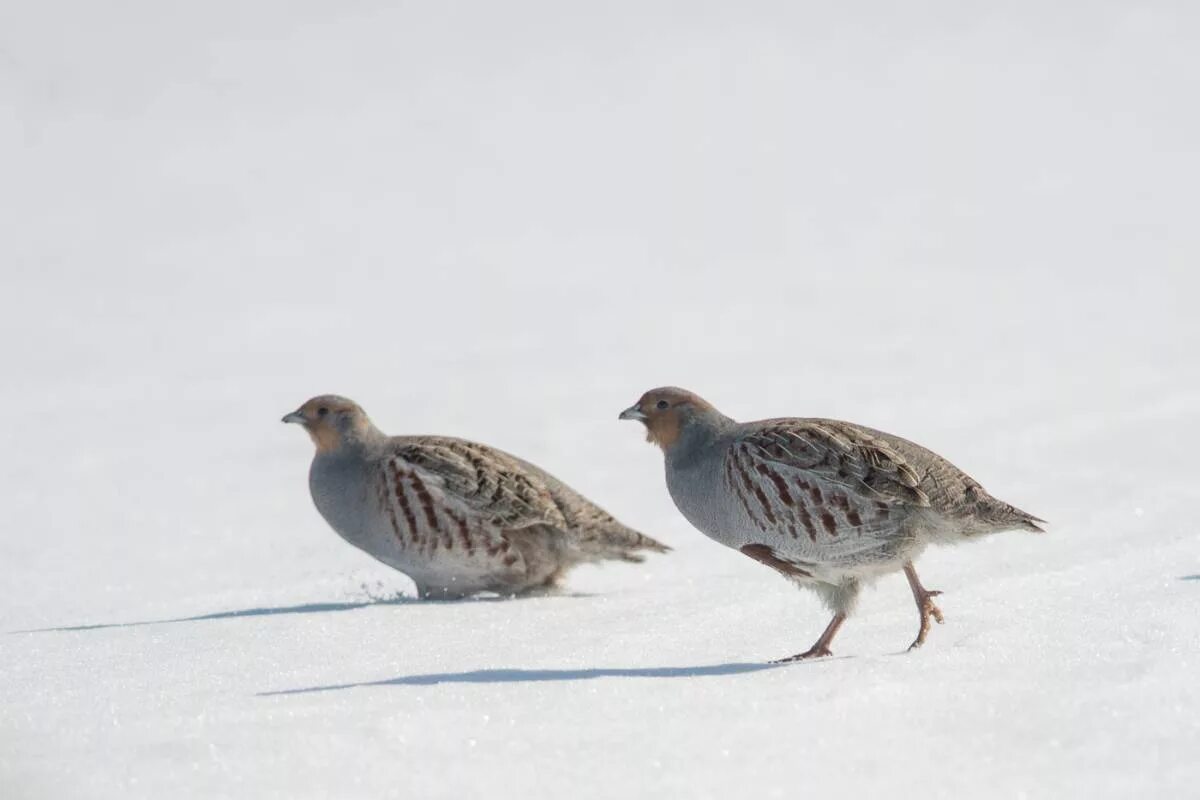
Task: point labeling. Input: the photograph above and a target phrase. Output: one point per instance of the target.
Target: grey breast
(695, 485)
(341, 490)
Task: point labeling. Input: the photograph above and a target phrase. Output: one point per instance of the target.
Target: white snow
(970, 224)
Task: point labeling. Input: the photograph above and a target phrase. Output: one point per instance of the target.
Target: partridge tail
(1030, 522)
(618, 543)
(1007, 517)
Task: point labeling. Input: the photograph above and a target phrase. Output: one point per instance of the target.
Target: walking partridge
(827, 504)
(457, 517)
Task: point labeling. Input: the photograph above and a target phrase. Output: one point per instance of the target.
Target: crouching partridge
(827, 504)
(457, 517)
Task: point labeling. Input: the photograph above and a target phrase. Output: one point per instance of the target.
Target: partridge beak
(633, 412)
(295, 416)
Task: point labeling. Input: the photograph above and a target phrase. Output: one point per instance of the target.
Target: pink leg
(925, 605)
(821, 648)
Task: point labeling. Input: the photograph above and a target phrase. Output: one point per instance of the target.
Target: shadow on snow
(541, 675)
(307, 608)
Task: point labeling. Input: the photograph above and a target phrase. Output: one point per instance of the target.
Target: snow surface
(972, 224)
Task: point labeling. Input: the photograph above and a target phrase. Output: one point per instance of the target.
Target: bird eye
(322, 411)
(661, 404)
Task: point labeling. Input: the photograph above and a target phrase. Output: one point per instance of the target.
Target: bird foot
(928, 610)
(812, 652)
(821, 648)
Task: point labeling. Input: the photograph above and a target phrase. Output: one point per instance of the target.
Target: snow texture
(971, 224)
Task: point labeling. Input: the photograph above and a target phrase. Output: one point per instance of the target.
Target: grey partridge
(456, 516)
(829, 505)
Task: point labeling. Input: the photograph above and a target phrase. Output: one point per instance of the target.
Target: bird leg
(821, 648)
(925, 605)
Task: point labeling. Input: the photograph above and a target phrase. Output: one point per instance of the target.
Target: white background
(971, 224)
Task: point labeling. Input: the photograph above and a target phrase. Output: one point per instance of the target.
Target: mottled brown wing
(840, 454)
(486, 482)
(827, 488)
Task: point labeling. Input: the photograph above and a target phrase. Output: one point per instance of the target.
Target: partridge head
(673, 415)
(333, 421)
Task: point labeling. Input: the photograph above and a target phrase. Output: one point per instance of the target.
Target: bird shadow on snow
(1190, 578)
(543, 675)
(307, 608)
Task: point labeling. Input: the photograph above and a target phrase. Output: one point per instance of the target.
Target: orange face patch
(326, 437)
(662, 409)
(662, 428)
(324, 420)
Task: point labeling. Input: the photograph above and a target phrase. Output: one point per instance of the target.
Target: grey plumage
(458, 517)
(828, 504)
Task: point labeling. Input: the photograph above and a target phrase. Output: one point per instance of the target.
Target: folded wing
(830, 489)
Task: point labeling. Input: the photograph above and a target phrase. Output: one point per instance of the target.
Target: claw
(821, 648)
(934, 612)
(812, 652)
(925, 606)
(928, 610)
